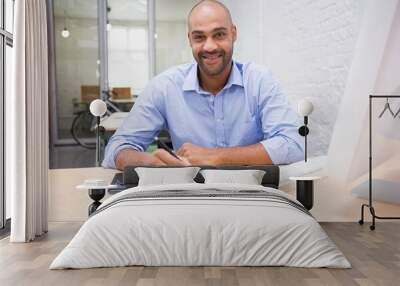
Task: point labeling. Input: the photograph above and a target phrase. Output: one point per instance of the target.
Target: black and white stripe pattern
(206, 194)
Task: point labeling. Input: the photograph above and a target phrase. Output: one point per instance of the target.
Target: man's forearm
(128, 157)
(159, 157)
(247, 155)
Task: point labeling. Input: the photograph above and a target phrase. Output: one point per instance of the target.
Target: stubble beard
(226, 59)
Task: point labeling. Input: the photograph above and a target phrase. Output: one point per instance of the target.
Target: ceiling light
(65, 33)
(109, 26)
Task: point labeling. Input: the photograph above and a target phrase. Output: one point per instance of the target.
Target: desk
(123, 100)
(122, 104)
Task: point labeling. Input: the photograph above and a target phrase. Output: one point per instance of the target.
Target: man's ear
(234, 33)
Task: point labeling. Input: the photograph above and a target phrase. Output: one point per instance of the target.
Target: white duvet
(200, 231)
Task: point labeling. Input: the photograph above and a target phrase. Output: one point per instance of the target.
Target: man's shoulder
(256, 76)
(168, 82)
(253, 70)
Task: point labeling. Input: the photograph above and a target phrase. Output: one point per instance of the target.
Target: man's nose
(209, 45)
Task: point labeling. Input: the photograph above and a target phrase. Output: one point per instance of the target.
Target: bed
(201, 224)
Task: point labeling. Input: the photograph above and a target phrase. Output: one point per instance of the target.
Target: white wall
(334, 53)
(247, 16)
(309, 47)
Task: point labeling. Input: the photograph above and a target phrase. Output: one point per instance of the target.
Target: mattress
(201, 225)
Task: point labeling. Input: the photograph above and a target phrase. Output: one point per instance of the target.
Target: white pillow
(249, 177)
(162, 176)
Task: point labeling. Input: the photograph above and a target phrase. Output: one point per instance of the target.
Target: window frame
(6, 39)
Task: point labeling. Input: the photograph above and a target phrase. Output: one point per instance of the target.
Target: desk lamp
(98, 108)
(305, 108)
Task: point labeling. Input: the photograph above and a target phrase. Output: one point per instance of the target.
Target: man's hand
(244, 155)
(159, 157)
(162, 158)
(197, 155)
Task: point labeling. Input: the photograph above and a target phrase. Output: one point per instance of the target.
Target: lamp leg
(303, 131)
(305, 137)
(98, 142)
(305, 147)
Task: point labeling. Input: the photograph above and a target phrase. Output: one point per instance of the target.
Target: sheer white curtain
(27, 123)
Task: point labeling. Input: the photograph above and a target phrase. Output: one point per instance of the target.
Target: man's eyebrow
(219, 29)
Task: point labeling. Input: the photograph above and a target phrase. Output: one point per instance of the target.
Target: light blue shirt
(249, 109)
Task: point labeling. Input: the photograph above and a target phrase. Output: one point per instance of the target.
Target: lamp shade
(98, 107)
(305, 107)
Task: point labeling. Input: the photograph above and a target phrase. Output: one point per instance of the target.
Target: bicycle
(83, 128)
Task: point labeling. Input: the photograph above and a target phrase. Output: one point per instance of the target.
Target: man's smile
(211, 59)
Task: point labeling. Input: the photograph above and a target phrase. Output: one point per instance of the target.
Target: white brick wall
(308, 45)
(247, 17)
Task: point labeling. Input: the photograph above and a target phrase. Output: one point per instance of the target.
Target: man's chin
(212, 71)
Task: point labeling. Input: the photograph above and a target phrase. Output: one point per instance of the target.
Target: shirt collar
(191, 82)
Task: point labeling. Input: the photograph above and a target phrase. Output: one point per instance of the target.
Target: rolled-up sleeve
(280, 124)
(144, 122)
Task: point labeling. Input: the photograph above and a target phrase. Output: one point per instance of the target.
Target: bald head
(206, 7)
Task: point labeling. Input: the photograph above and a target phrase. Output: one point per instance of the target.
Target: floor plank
(374, 255)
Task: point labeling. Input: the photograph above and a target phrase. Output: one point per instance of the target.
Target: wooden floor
(375, 257)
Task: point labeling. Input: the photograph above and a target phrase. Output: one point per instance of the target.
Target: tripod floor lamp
(305, 108)
(98, 108)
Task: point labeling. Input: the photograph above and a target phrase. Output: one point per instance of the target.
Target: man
(217, 111)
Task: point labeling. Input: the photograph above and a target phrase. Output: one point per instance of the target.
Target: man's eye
(198, 38)
(220, 35)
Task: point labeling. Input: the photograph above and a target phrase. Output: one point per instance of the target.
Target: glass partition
(131, 58)
(76, 49)
(9, 12)
(172, 45)
(128, 54)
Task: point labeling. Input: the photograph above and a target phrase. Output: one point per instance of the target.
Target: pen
(166, 148)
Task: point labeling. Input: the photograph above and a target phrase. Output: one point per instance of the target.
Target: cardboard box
(89, 93)
(121, 93)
